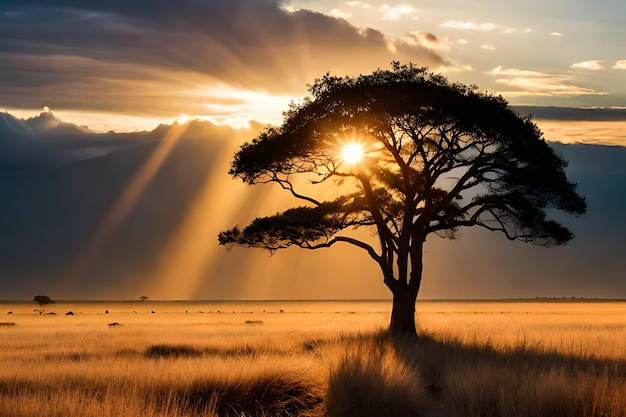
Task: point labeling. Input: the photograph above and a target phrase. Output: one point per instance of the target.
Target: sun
(352, 153)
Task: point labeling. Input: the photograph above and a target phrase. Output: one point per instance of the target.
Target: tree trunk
(403, 312)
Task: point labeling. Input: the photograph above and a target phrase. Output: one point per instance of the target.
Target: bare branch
(370, 250)
(287, 185)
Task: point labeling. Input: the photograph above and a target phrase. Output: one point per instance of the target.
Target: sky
(120, 119)
(114, 65)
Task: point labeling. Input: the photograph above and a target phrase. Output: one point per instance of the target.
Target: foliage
(43, 300)
(438, 156)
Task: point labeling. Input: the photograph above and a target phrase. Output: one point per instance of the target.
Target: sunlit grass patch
(490, 359)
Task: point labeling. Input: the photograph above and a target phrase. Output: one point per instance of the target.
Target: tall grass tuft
(268, 394)
(370, 379)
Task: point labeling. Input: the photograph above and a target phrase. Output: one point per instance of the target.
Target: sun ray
(123, 205)
(189, 253)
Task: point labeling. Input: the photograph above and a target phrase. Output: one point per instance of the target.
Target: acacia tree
(435, 156)
(42, 300)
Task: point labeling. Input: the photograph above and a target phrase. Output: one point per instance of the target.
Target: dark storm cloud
(63, 50)
(573, 113)
(43, 143)
(24, 150)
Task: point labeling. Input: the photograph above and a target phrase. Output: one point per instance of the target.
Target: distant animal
(153, 312)
(114, 324)
(9, 313)
(69, 313)
(106, 311)
(281, 311)
(52, 313)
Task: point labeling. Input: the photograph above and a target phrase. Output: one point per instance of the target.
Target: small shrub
(172, 351)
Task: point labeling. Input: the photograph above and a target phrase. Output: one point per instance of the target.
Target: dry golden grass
(316, 359)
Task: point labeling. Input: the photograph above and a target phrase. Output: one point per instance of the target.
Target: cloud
(425, 39)
(44, 143)
(25, 146)
(396, 12)
(340, 14)
(621, 64)
(358, 4)
(514, 72)
(487, 47)
(534, 83)
(556, 34)
(594, 65)
(155, 58)
(611, 132)
(469, 25)
(603, 125)
(603, 114)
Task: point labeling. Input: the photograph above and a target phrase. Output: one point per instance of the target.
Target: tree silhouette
(42, 300)
(144, 298)
(437, 156)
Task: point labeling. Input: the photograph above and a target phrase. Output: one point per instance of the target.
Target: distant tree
(407, 154)
(144, 298)
(42, 300)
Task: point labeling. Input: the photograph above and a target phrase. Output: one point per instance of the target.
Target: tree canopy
(43, 300)
(436, 157)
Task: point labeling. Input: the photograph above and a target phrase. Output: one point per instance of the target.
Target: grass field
(312, 359)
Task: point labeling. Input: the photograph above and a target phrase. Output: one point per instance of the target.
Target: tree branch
(287, 185)
(370, 250)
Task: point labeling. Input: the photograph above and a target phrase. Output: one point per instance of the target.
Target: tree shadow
(482, 379)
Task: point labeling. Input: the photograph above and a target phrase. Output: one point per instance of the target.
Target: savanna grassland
(313, 359)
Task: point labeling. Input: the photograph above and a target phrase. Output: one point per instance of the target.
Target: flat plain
(312, 358)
